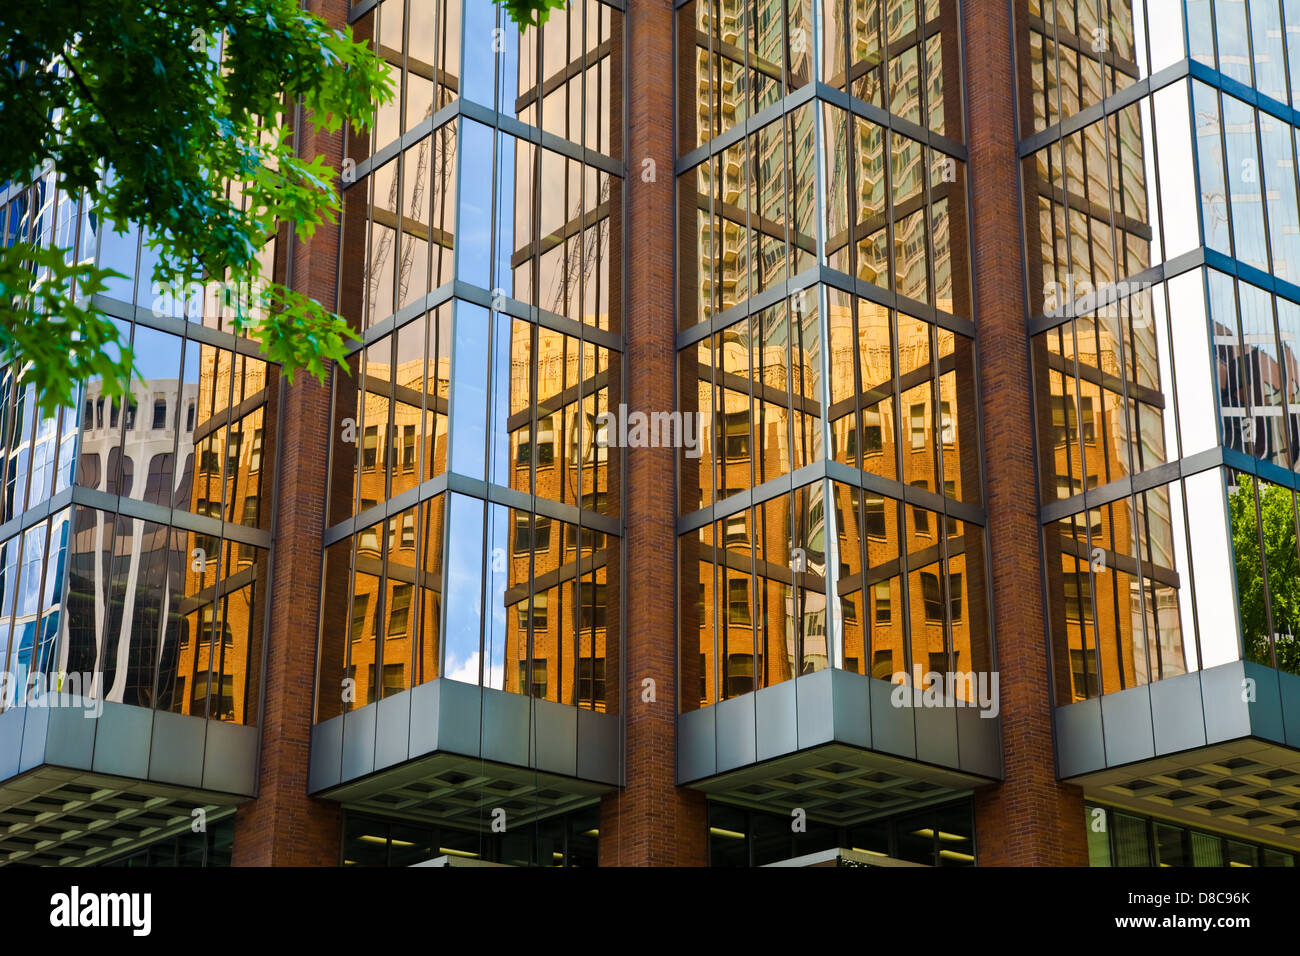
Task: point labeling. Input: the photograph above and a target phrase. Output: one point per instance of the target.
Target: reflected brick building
(985, 554)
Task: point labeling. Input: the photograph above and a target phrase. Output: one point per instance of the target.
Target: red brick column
(650, 822)
(283, 826)
(1031, 819)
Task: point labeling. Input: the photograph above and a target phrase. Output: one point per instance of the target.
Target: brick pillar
(650, 822)
(1031, 819)
(283, 826)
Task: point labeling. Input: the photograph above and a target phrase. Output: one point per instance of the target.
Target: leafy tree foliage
(174, 115)
(1279, 531)
(536, 12)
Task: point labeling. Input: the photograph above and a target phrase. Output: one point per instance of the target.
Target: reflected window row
(1248, 195)
(544, 228)
(195, 434)
(1173, 369)
(36, 451)
(401, 220)
(755, 392)
(1186, 167)
(738, 57)
(119, 609)
(1120, 589)
(1087, 203)
(894, 214)
(746, 217)
(1256, 42)
(563, 78)
(530, 607)
(1106, 400)
(481, 394)
(421, 51)
(902, 395)
(1078, 52)
(489, 209)
(900, 55)
(1183, 576)
(903, 398)
(32, 566)
(812, 580)
(391, 413)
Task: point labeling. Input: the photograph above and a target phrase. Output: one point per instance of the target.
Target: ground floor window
(1121, 838)
(210, 848)
(568, 839)
(941, 835)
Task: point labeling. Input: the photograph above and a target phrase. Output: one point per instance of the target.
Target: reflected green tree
(1277, 521)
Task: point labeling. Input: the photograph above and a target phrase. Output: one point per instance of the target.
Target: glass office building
(1160, 208)
(135, 565)
(469, 608)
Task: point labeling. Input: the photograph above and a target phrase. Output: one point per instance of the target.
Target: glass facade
(936, 836)
(569, 839)
(137, 530)
(825, 320)
(213, 847)
(473, 502)
(834, 512)
(1161, 231)
(1120, 838)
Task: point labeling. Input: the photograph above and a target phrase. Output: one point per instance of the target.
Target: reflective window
(937, 836)
(112, 606)
(512, 384)
(1116, 838)
(568, 839)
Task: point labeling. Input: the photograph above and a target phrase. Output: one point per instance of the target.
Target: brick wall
(283, 826)
(650, 822)
(1030, 819)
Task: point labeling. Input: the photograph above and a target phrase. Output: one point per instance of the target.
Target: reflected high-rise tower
(985, 319)
(1158, 163)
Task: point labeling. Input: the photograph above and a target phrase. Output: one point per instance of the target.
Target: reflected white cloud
(467, 671)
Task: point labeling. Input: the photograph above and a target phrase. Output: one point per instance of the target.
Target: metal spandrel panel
(1126, 724)
(775, 721)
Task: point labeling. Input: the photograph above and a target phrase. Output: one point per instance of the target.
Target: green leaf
(190, 159)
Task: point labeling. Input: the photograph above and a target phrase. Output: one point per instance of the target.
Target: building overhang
(836, 745)
(450, 752)
(1217, 749)
(89, 780)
